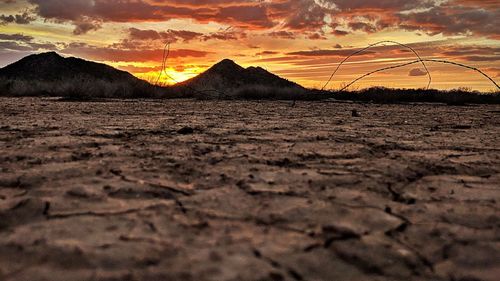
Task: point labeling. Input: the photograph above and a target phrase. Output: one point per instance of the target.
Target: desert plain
(248, 190)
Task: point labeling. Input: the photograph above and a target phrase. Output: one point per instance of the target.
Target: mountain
(51, 67)
(50, 74)
(226, 76)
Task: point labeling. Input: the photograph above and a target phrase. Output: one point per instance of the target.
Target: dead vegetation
(80, 89)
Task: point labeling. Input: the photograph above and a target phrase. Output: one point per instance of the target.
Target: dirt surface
(222, 190)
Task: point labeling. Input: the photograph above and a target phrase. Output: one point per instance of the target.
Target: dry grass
(81, 89)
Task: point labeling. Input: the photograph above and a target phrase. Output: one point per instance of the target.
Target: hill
(227, 77)
(50, 74)
(53, 67)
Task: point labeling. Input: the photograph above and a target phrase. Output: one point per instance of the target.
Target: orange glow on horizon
(302, 41)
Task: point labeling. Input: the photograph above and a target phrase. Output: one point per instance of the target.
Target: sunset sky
(301, 40)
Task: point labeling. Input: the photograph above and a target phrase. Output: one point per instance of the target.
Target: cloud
(83, 27)
(20, 42)
(16, 37)
(14, 46)
(495, 72)
(224, 35)
(116, 54)
(245, 14)
(173, 36)
(282, 34)
(482, 58)
(138, 69)
(23, 18)
(168, 36)
(328, 53)
(307, 15)
(417, 72)
(340, 32)
(266, 53)
(316, 36)
(448, 17)
(454, 20)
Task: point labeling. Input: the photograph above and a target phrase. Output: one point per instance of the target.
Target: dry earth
(120, 190)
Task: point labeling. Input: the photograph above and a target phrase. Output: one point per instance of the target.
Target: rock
(185, 131)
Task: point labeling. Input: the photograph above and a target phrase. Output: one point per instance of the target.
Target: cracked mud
(226, 190)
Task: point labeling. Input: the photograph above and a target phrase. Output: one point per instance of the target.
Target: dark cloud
(24, 18)
(454, 20)
(266, 53)
(19, 42)
(247, 14)
(118, 53)
(450, 17)
(316, 36)
(282, 34)
(327, 53)
(173, 36)
(16, 37)
(14, 46)
(482, 58)
(340, 32)
(83, 27)
(168, 36)
(224, 35)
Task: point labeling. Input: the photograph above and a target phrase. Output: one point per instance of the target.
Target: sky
(300, 40)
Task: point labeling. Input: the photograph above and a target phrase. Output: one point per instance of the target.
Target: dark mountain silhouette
(227, 76)
(53, 75)
(50, 74)
(51, 66)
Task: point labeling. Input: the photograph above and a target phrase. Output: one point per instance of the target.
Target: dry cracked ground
(225, 190)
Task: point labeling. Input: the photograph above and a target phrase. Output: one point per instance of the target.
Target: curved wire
(418, 61)
(166, 53)
(373, 45)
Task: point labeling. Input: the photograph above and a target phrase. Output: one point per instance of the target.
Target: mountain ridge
(50, 74)
(52, 67)
(227, 75)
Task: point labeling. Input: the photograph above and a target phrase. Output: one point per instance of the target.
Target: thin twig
(373, 45)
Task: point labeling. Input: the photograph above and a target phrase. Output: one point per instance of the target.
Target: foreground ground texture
(222, 190)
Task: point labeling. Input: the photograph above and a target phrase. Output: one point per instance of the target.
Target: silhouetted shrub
(83, 89)
(386, 95)
(257, 92)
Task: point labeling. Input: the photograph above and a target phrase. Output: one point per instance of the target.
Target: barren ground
(256, 191)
